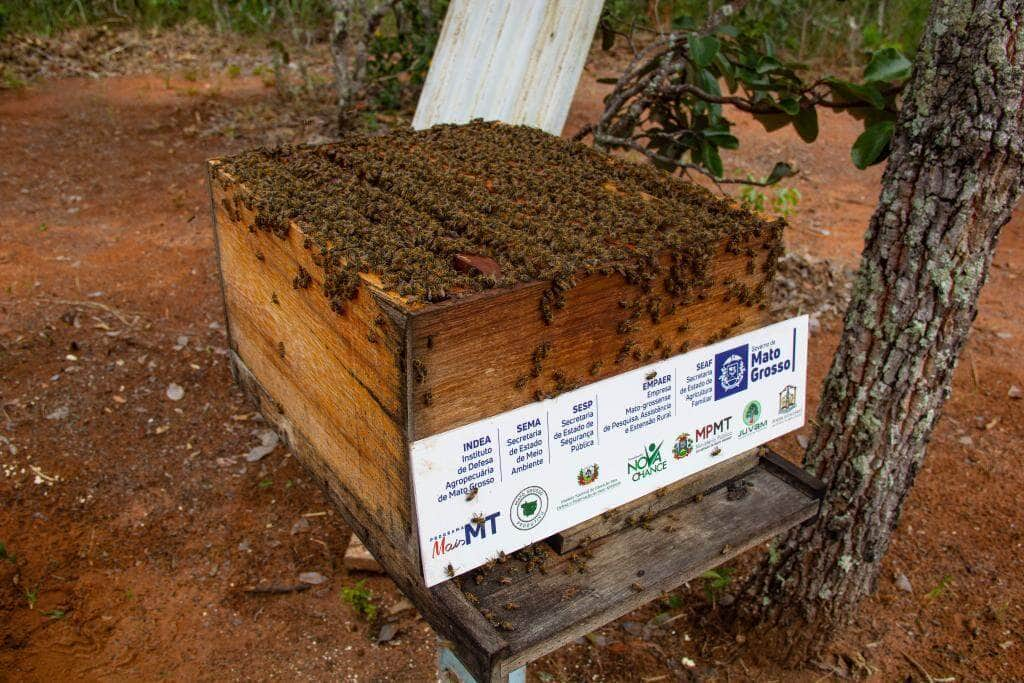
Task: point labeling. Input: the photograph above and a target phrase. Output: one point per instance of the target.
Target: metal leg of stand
(448, 665)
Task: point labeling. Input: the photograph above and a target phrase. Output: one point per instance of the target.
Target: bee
(274, 299)
(449, 570)
(419, 370)
(473, 490)
(280, 349)
(717, 451)
(507, 626)
(302, 279)
(428, 398)
(651, 375)
(505, 581)
(477, 519)
(473, 599)
(511, 606)
(636, 586)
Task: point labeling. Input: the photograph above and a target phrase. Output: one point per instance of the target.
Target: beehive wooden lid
(453, 210)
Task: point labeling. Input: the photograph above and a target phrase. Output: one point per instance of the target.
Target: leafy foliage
(833, 33)
(716, 581)
(243, 16)
(672, 101)
(361, 599)
(400, 57)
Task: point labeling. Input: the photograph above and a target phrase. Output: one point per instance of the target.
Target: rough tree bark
(951, 183)
(354, 23)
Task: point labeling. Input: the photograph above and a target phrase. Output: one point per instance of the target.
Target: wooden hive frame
(351, 392)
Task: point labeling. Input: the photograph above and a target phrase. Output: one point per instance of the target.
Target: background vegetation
(831, 32)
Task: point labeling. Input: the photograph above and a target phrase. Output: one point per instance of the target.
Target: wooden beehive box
(389, 288)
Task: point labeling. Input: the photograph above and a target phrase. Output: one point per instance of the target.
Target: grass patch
(361, 599)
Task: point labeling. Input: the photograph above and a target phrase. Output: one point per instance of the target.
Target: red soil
(136, 518)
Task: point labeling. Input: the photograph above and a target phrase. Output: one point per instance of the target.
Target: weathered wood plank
(474, 350)
(325, 371)
(653, 503)
(635, 565)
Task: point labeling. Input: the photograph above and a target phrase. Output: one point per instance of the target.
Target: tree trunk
(354, 24)
(951, 183)
(342, 11)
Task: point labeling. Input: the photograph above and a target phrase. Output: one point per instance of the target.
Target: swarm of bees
(642, 520)
(401, 205)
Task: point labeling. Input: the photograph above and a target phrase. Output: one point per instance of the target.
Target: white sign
(507, 481)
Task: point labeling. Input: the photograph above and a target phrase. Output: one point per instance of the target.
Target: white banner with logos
(507, 481)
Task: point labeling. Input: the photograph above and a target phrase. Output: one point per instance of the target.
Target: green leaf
(872, 145)
(684, 22)
(779, 171)
(773, 122)
(721, 139)
(768, 64)
(888, 64)
(709, 83)
(806, 124)
(853, 93)
(789, 105)
(713, 161)
(703, 49)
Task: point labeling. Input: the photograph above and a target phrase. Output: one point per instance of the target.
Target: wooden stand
(694, 531)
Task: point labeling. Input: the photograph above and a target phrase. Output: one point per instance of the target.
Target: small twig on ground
(924, 672)
(93, 304)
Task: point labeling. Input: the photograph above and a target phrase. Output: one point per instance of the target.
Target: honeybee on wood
(473, 490)
(505, 581)
(511, 606)
(636, 586)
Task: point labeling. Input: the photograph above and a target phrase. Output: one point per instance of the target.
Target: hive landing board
(504, 482)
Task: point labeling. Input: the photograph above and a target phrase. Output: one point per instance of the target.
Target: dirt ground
(132, 525)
